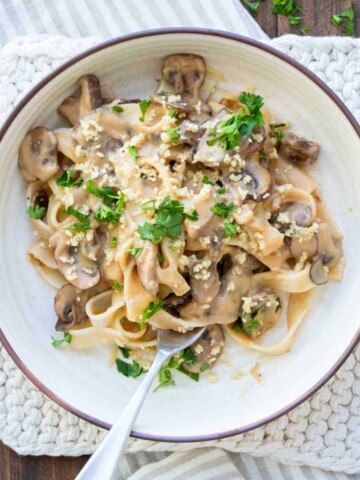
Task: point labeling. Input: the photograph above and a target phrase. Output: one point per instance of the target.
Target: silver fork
(104, 462)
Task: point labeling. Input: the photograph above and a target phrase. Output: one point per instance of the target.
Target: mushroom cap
(318, 274)
(261, 180)
(299, 212)
(207, 349)
(38, 155)
(299, 151)
(90, 98)
(186, 72)
(70, 109)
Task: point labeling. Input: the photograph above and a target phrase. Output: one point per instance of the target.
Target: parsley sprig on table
(168, 221)
(289, 9)
(175, 363)
(347, 19)
(253, 6)
(242, 123)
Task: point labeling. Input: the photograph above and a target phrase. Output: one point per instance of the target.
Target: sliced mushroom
(187, 74)
(204, 280)
(207, 349)
(70, 109)
(299, 212)
(328, 251)
(90, 98)
(318, 273)
(70, 305)
(38, 155)
(298, 151)
(261, 181)
(172, 302)
(298, 247)
(252, 144)
(146, 266)
(76, 262)
(265, 312)
(188, 134)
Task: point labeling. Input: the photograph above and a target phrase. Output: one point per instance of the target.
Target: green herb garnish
(222, 209)
(36, 212)
(67, 179)
(230, 229)
(241, 123)
(253, 323)
(173, 135)
(304, 30)
(336, 20)
(278, 305)
(144, 105)
(117, 108)
(221, 190)
(288, 9)
(168, 220)
(275, 130)
(113, 206)
(206, 181)
(172, 113)
(133, 369)
(347, 16)
(134, 152)
(84, 223)
(204, 367)
(193, 215)
(165, 372)
(115, 285)
(150, 310)
(133, 251)
(114, 242)
(252, 6)
(65, 339)
(125, 352)
(160, 257)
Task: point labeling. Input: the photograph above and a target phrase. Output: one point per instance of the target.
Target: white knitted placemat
(322, 432)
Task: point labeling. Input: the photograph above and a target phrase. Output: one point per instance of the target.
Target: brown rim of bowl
(169, 31)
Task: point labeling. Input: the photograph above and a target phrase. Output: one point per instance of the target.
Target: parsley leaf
(193, 215)
(222, 209)
(274, 127)
(113, 206)
(188, 356)
(241, 123)
(336, 20)
(253, 323)
(288, 9)
(165, 374)
(67, 179)
(125, 352)
(134, 152)
(252, 6)
(160, 257)
(204, 367)
(65, 339)
(84, 222)
(173, 135)
(172, 113)
(115, 285)
(230, 229)
(133, 251)
(108, 194)
(133, 369)
(36, 212)
(205, 180)
(222, 190)
(117, 108)
(168, 220)
(304, 30)
(144, 105)
(349, 17)
(150, 310)
(114, 242)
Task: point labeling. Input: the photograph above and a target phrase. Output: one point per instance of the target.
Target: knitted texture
(324, 431)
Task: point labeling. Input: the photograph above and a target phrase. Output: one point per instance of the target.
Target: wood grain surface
(317, 16)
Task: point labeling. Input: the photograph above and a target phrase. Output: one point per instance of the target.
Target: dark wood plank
(317, 15)
(15, 467)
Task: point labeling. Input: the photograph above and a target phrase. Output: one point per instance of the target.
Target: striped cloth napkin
(110, 18)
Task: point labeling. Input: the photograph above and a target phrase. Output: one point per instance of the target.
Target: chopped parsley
(193, 215)
(304, 30)
(133, 251)
(230, 229)
(60, 341)
(172, 113)
(211, 132)
(222, 209)
(275, 130)
(114, 242)
(84, 223)
(115, 285)
(125, 352)
(252, 324)
(221, 190)
(160, 257)
(134, 152)
(168, 220)
(108, 194)
(288, 9)
(206, 181)
(348, 17)
(173, 135)
(113, 206)
(241, 123)
(204, 367)
(175, 363)
(278, 305)
(117, 108)
(144, 105)
(252, 6)
(36, 212)
(67, 179)
(150, 310)
(133, 369)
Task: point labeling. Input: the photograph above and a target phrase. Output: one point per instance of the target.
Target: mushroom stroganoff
(192, 208)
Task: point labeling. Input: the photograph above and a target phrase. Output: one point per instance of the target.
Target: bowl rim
(221, 35)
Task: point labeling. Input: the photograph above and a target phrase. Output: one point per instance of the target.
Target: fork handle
(104, 463)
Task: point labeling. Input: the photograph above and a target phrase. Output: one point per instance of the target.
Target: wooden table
(317, 15)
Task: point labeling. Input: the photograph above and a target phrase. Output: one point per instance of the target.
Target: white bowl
(81, 381)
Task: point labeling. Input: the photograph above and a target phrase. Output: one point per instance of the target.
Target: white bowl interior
(82, 378)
